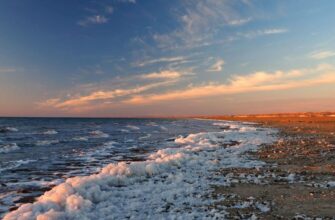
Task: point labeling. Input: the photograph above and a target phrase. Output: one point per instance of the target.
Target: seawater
(39, 153)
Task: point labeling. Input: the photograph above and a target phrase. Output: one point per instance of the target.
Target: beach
(123, 168)
(222, 167)
(299, 178)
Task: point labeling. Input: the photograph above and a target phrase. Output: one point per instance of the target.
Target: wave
(50, 132)
(8, 129)
(9, 148)
(145, 137)
(99, 134)
(163, 128)
(133, 127)
(14, 164)
(171, 183)
(80, 138)
(124, 130)
(152, 124)
(47, 142)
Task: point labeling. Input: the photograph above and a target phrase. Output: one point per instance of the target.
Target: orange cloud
(259, 81)
(217, 66)
(99, 96)
(162, 75)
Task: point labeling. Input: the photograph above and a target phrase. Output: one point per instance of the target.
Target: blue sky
(157, 58)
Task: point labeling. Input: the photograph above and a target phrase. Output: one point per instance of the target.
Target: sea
(103, 168)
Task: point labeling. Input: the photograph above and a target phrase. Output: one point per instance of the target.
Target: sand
(298, 179)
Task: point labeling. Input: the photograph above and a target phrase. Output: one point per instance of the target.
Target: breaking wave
(9, 148)
(99, 134)
(46, 142)
(8, 129)
(50, 132)
(171, 183)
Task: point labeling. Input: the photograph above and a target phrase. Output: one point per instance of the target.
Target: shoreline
(182, 175)
(305, 152)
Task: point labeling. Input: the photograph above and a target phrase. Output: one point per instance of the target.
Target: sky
(141, 58)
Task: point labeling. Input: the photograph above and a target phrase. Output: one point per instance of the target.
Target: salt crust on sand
(173, 183)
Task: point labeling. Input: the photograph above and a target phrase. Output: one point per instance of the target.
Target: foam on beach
(172, 183)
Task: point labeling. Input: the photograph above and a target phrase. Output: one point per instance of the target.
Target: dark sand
(304, 152)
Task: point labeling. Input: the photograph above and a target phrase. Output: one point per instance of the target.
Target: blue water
(37, 153)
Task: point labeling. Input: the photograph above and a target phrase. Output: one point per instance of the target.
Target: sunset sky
(166, 57)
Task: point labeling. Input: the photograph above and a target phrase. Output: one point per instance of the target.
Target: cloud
(256, 33)
(217, 66)
(128, 1)
(162, 75)
(109, 9)
(95, 19)
(94, 97)
(7, 70)
(163, 91)
(259, 81)
(161, 60)
(322, 54)
(200, 21)
(239, 22)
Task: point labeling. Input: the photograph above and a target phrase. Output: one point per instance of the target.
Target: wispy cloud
(100, 14)
(217, 66)
(259, 81)
(200, 21)
(109, 9)
(128, 1)
(148, 93)
(122, 91)
(7, 70)
(95, 19)
(320, 55)
(160, 60)
(98, 96)
(239, 22)
(162, 75)
(257, 33)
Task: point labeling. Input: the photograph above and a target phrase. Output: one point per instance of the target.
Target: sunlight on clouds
(259, 81)
(162, 75)
(217, 66)
(322, 54)
(80, 101)
(161, 60)
(254, 82)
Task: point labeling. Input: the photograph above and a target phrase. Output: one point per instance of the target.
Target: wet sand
(299, 178)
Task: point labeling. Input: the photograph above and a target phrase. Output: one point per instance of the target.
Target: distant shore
(305, 151)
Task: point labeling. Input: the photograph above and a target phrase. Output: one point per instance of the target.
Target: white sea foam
(47, 142)
(124, 130)
(145, 137)
(50, 132)
(133, 127)
(163, 128)
(173, 183)
(9, 148)
(152, 124)
(80, 138)
(14, 164)
(9, 129)
(99, 134)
